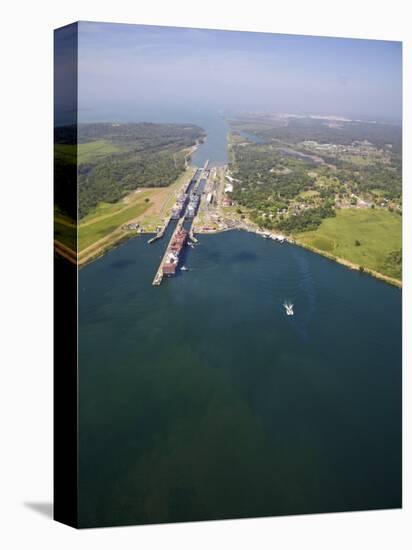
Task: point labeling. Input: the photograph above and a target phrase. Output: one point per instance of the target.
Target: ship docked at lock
(173, 253)
(184, 211)
(179, 207)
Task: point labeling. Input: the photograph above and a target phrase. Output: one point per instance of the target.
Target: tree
(357, 243)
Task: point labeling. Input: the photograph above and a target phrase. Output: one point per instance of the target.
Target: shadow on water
(122, 264)
(245, 256)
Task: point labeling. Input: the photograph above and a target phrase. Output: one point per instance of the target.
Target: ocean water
(201, 399)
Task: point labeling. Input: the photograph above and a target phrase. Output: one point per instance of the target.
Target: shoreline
(120, 235)
(101, 250)
(272, 236)
(290, 240)
(350, 265)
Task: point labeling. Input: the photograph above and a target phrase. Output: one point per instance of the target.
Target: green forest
(115, 159)
(270, 184)
(292, 193)
(296, 129)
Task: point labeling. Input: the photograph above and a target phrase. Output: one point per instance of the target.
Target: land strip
(350, 265)
(141, 212)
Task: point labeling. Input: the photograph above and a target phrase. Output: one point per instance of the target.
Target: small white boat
(288, 308)
(184, 268)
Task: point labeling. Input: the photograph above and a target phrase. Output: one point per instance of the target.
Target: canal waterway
(202, 399)
(212, 121)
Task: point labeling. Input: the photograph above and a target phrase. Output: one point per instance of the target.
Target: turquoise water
(200, 399)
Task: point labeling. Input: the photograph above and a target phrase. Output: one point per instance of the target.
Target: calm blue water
(201, 399)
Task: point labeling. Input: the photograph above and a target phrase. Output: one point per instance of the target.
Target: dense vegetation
(115, 159)
(292, 192)
(295, 130)
(306, 220)
(387, 180)
(335, 185)
(151, 155)
(264, 173)
(268, 185)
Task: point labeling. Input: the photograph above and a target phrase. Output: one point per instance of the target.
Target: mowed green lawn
(95, 149)
(86, 152)
(379, 233)
(104, 209)
(91, 232)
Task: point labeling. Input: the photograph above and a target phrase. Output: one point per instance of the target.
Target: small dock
(192, 236)
(161, 233)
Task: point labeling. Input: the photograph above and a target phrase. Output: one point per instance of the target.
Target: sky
(167, 67)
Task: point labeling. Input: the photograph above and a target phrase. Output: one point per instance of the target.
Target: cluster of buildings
(131, 226)
(356, 148)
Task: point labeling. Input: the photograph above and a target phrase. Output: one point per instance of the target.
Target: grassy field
(95, 149)
(86, 151)
(364, 237)
(99, 227)
(103, 209)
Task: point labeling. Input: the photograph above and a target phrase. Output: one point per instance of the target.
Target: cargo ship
(192, 206)
(172, 256)
(179, 206)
